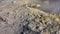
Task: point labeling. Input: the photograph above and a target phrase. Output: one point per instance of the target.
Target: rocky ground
(29, 17)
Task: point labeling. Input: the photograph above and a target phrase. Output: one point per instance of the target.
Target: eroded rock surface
(27, 17)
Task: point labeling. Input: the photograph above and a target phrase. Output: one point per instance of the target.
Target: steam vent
(29, 16)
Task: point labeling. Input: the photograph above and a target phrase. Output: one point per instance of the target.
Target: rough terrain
(29, 17)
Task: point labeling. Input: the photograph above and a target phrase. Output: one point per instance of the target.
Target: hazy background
(52, 6)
